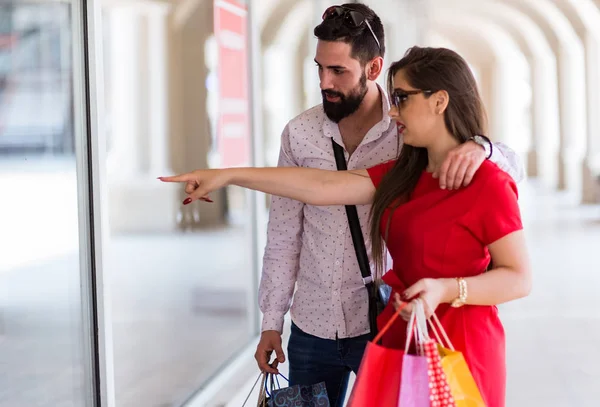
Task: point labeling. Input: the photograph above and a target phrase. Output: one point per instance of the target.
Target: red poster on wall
(233, 128)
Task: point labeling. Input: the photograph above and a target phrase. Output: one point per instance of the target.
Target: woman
(441, 240)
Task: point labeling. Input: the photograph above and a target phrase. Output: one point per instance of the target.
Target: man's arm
(280, 265)
(508, 161)
(462, 163)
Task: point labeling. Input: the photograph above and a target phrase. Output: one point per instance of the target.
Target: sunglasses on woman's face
(400, 96)
(351, 18)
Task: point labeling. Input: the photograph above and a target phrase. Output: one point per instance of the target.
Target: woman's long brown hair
(433, 69)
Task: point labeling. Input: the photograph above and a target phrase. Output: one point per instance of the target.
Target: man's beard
(347, 105)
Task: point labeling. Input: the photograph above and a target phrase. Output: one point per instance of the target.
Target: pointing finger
(178, 178)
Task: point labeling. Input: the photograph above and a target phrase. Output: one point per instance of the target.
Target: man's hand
(269, 341)
(460, 165)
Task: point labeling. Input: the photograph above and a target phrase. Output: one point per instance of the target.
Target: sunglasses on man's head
(400, 96)
(351, 18)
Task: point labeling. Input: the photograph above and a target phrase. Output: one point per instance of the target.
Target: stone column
(591, 163)
(139, 150)
(191, 126)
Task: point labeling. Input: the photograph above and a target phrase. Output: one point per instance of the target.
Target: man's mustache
(332, 93)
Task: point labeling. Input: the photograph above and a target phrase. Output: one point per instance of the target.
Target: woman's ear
(439, 101)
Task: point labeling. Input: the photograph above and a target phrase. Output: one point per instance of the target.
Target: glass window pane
(183, 286)
(42, 361)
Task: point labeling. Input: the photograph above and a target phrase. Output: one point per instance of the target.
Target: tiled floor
(174, 325)
(553, 335)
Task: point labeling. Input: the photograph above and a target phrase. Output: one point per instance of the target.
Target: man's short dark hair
(364, 46)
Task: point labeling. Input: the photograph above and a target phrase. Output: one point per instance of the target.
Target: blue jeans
(314, 360)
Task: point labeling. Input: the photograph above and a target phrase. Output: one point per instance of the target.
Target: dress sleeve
(496, 212)
(378, 172)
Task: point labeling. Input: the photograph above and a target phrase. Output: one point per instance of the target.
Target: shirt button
(337, 263)
(335, 293)
(341, 231)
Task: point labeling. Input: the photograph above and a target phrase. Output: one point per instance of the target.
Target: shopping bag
(414, 382)
(378, 379)
(273, 395)
(300, 396)
(463, 386)
(391, 377)
(461, 382)
(439, 388)
(262, 393)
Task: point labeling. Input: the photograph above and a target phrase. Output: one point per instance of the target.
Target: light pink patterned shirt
(310, 247)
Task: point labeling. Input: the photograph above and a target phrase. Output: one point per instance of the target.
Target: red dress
(444, 234)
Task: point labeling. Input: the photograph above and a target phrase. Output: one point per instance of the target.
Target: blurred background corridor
(113, 294)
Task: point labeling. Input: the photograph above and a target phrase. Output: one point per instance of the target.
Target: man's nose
(325, 81)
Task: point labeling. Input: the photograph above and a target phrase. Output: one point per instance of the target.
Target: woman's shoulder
(492, 182)
(488, 173)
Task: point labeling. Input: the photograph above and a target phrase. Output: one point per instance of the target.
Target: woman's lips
(401, 128)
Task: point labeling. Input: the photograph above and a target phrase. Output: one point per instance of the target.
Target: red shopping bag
(378, 379)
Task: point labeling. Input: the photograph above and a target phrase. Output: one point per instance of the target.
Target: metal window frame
(90, 159)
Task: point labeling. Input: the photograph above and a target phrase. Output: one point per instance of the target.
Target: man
(310, 247)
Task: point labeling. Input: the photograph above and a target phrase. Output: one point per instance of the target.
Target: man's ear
(374, 68)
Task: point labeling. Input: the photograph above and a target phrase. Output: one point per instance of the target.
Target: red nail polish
(187, 201)
(207, 200)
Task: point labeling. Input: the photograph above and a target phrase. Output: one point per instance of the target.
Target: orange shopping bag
(462, 385)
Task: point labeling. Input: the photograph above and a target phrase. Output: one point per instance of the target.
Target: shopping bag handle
(417, 327)
(263, 388)
(276, 377)
(437, 329)
(390, 322)
(252, 389)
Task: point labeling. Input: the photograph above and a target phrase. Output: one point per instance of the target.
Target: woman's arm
(308, 185)
(510, 279)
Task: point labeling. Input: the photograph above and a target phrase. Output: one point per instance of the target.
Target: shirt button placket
(339, 275)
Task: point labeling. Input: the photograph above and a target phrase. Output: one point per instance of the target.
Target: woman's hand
(200, 183)
(433, 292)
(309, 185)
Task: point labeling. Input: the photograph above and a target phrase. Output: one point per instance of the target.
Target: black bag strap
(357, 236)
(359, 244)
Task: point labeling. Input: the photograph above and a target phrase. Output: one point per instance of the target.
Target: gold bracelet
(462, 293)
